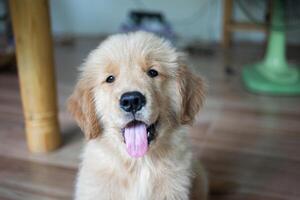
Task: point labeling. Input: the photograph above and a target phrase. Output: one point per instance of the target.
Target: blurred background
(248, 52)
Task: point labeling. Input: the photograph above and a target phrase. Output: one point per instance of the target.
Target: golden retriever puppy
(134, 100)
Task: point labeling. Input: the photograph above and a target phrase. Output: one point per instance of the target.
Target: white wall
(191, 19)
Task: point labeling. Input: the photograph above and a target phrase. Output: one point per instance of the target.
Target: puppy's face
(132, 90)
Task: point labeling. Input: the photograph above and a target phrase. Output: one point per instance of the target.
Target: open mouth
(137, 137)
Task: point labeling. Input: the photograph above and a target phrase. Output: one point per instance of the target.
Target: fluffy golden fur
(174, 97)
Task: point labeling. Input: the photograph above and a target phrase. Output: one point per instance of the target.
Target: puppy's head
(133, 89)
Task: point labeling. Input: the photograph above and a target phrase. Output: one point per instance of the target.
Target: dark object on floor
(229, 70)
(153, 22)
(8, 63)
(199, 50)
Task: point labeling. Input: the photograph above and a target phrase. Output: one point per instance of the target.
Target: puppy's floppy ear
(191, 90)
(82, 107)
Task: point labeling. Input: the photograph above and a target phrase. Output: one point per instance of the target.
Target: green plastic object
(274, 75)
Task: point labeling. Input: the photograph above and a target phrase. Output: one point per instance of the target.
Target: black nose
(132, 101)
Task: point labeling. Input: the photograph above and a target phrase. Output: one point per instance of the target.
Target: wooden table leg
(227, 14)
(32, 32)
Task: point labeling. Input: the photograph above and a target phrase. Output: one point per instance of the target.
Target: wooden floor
(249, 141)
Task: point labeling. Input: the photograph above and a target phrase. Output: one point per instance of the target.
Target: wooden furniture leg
(227, 13)
(32, 33)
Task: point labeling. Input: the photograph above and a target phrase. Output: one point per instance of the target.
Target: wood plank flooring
(249, 141)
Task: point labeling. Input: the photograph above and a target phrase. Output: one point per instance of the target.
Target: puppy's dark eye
(152, 73)
(110, 79)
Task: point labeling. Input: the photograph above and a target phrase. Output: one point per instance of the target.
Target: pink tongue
(136, 140)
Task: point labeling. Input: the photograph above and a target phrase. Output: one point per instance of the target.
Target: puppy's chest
(140, 183)
(153, 182)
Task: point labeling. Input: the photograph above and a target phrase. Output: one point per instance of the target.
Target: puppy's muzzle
(132, 101)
